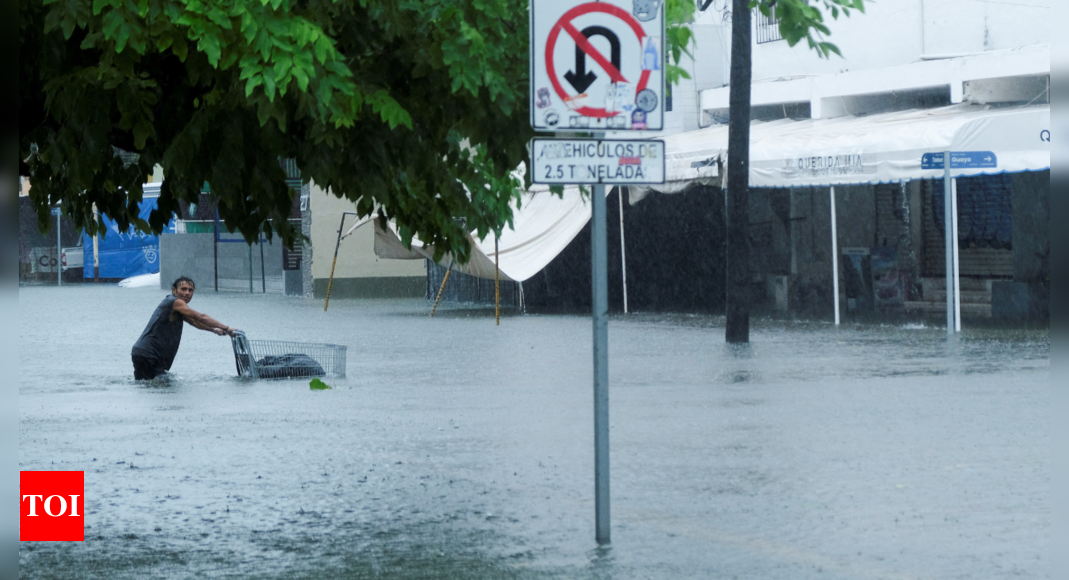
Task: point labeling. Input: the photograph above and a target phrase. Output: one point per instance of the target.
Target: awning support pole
(951, 242)
(623, 248)
(337, 245)
(834, 256)
(600, 300)
(957, 261)
(442, 287)
(497, 285)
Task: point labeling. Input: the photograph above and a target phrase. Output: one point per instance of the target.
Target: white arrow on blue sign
(960, 160)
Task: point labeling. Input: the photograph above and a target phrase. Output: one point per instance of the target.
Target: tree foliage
(415, 109)
(804, 19)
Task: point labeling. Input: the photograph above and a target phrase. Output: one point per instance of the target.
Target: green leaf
(209, 44)
(269, 84)
(180, 49)
(164, 42)
(99, 5)
(251, 85)
(302, 78)
(221, 18)
(142, 131)
(318, 385)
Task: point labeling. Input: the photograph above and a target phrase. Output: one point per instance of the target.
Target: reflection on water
(456, 448)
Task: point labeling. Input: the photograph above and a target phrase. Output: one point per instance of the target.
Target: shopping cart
(277, 359)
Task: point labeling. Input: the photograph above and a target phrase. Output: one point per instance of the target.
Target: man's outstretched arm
(202, 326)
(199, 319)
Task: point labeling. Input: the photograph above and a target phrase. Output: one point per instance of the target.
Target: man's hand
(220, 331)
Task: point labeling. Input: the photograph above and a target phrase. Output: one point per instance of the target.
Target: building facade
(898, 56)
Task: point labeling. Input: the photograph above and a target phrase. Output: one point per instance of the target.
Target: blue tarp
(125, 254)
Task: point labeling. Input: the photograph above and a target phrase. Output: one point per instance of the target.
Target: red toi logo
(51, 506)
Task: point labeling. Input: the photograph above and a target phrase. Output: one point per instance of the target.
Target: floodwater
(455, 448)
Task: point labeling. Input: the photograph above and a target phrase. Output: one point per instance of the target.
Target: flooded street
(455, 448)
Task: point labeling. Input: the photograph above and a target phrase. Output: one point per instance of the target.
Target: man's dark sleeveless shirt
(162, 336)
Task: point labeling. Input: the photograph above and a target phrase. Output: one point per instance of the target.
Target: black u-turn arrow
(581, 79)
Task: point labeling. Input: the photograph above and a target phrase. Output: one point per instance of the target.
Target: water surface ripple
(460, 449)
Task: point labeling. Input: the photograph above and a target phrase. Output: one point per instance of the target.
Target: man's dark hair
(183, 279)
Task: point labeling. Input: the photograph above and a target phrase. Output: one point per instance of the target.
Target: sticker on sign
(589, 161)
(598, 65)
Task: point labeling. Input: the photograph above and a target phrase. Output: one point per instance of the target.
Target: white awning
(882, 148)
(544, 224)
(849, 150)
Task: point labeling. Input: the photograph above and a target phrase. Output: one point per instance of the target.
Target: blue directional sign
(960, 160)
(55, 211)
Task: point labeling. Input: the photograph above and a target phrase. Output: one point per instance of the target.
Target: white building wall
(898, 54)
(895, 32)
(356, 256)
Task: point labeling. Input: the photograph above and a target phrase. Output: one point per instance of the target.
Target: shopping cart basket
(277, 359)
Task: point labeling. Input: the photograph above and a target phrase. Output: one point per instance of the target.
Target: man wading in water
(154, 352)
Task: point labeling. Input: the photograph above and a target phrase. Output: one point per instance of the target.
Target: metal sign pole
(948, 224)
(623, 247)
(577, 86)
(600, 288)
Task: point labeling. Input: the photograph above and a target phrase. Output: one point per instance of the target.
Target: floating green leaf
(318, 385)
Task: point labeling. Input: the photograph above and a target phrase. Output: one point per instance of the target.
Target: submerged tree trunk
(738, 177)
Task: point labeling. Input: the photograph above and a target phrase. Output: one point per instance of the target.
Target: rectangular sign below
(960, 160)
(590, 161)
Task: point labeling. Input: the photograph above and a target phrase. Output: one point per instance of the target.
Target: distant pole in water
(215, 248)
(59, 253)
(263, 274)
(444, 280)
(96, 247)
(497, 286)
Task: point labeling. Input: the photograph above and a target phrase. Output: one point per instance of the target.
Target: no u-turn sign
(597, 66)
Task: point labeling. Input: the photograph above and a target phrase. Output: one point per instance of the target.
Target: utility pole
(738, 176)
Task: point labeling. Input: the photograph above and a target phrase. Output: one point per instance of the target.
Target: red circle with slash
(565, 24)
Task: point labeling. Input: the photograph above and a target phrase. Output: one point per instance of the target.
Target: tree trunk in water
(738, 176)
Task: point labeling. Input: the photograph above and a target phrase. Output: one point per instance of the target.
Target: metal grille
(767, 26)
(293, 173)
(276, 359)
(471, 289)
